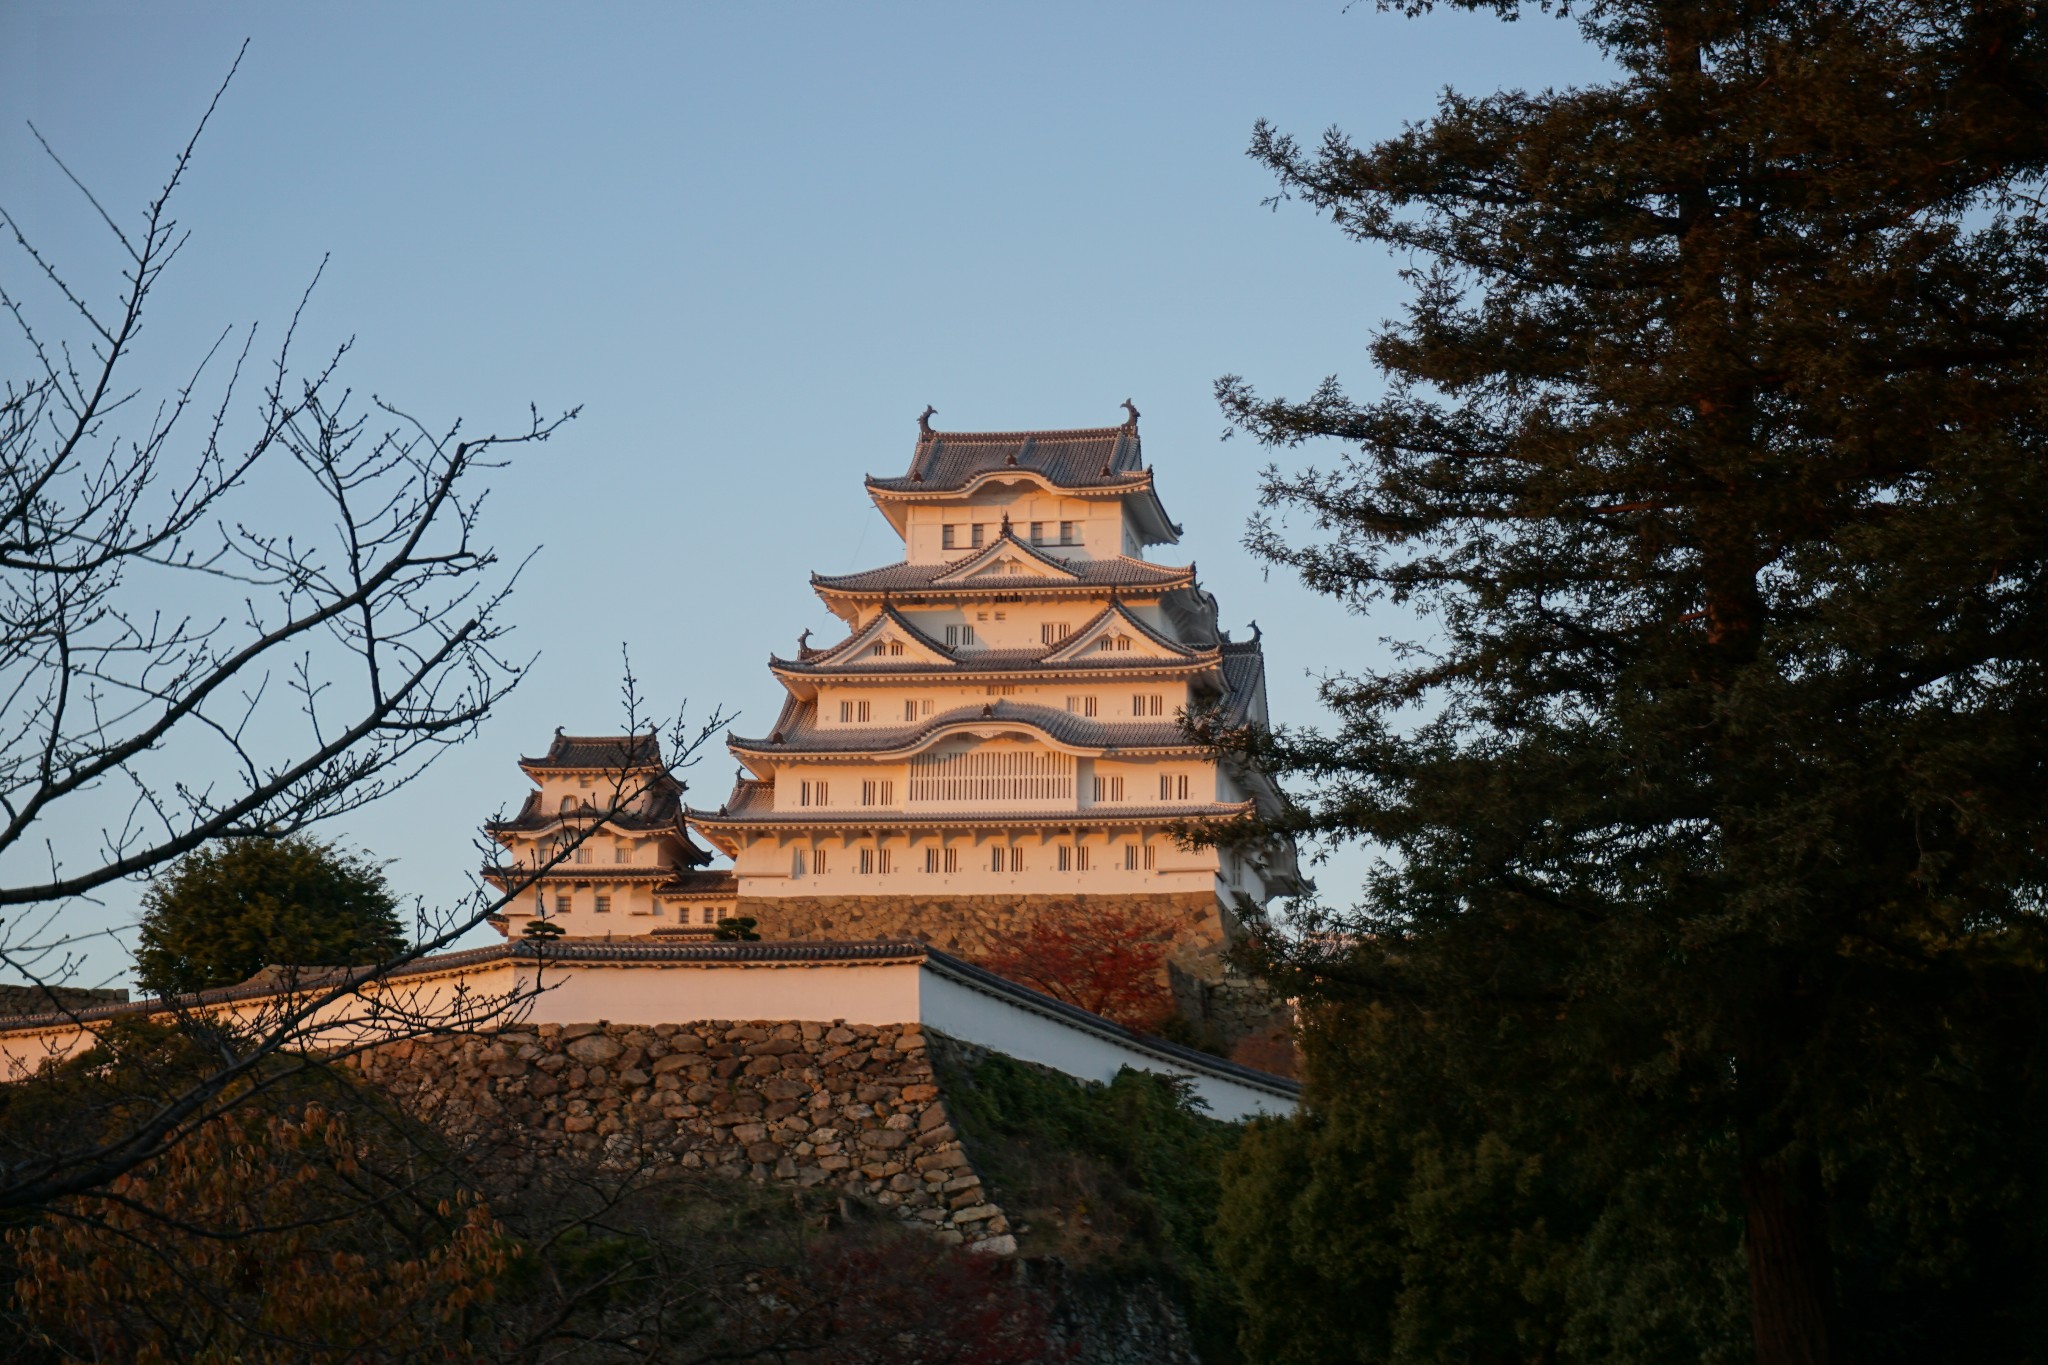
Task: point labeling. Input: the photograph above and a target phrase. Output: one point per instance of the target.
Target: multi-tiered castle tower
(999, 734)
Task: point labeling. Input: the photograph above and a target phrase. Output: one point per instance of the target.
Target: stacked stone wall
(853, 1107)
(971, 925)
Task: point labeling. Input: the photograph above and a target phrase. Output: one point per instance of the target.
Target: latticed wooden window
(992, 775)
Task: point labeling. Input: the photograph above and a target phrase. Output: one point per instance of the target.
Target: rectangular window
(1067, 533)
(1080, 857)
(817, 861)
(1148, 704)
(999, 860)
(620, 854)
(1038, 533)
(1148, 857)
(878, 792)
(1109, 788)
(1002, 616)
(952, 860)
(1052, 632)
(910, 709)
(947, 535)
(561, 905)
(1066, 857)
(867, 862)
(1130, 857)
(604, 905)
(981, 616)
(976, 533)
(1081, 706)
(927, 708)
(583, 853)
(854, 712)
(959, 635)
(812, 793)
(1002, 689)
(931, 860)
(1173, 786)
(710, 915)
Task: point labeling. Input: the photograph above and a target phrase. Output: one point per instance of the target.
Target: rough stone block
(595, 1047)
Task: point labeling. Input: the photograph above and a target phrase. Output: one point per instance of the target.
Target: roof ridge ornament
(924, 419)
(1131, 422)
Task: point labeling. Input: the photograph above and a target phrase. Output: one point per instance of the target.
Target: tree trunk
(1789, 1291)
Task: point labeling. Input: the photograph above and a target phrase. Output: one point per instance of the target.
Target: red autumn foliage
(892, 1298)
(1112, 963)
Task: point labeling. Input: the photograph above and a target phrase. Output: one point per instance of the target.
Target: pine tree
(230, 909)
(1711, 459)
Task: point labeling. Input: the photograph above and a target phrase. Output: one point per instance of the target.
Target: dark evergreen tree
(230, 909)
(1697, 1007)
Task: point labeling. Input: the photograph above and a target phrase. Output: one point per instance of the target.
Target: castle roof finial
(924, 419)
(1131, 422)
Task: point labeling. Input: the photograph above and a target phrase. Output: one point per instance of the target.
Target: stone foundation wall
(968, 925)
(849, 1106)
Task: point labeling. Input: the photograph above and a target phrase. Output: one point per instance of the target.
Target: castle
(999, 735)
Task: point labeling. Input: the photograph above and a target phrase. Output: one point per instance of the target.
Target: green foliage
(1712, 460)
(1120, 1180)
(739, 930)
(226, 911)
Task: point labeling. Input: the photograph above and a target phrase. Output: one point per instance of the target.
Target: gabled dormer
(1008, 562)
(887, 640)
(1118, 633)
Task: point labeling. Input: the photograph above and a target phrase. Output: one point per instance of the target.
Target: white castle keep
(999, 733)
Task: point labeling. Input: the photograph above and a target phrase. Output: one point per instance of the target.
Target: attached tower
(999, 734)
(603, 833)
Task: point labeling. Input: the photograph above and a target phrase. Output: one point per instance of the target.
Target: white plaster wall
(977, 1017)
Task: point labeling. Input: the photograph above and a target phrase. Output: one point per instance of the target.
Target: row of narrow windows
(982, 777)
(961, 635)
(1081, 704)
(601, 904)
(869, 862)
(955, 535)
(582, 853)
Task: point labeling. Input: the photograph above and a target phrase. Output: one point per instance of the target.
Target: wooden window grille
(1052, 632)
(561, 905)
(992, 775)
(1109, 788)
(604, 905)
(817, 862)
(1148, 704)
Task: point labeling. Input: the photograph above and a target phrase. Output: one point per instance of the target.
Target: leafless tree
(363, 632)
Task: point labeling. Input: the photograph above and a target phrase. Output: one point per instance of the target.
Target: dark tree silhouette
(1710, 928)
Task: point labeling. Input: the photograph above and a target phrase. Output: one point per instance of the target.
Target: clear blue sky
(753, 242)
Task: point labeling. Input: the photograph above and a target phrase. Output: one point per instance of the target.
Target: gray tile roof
(1089, 457)
(614, 753)
(759, 811)
(700, 884)
(662, 812)
(802, 735)
(1120, 572)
